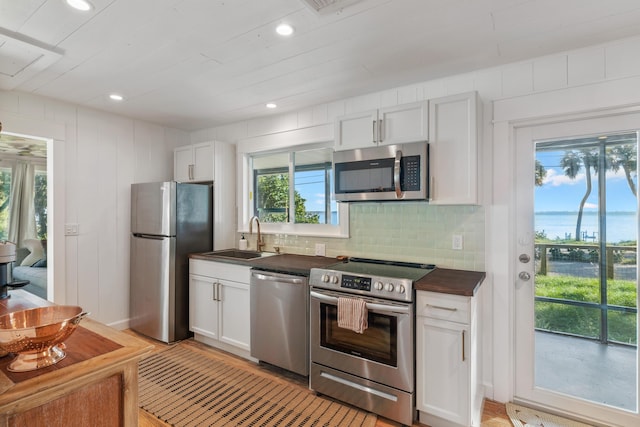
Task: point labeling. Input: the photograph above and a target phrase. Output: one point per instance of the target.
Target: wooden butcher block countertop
(97, 356)
(457, 282)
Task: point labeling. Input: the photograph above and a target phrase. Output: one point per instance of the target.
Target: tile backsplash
(402, 231)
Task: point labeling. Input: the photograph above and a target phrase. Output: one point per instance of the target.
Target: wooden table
(95, 384)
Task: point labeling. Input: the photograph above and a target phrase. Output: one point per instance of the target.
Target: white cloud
(555, 179)
(590, 206)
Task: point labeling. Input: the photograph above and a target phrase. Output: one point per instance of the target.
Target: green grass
(585, 321)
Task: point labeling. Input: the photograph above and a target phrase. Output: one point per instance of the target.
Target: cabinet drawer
(220, 270)
(453, 308)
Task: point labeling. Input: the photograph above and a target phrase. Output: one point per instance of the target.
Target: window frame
(246, 195)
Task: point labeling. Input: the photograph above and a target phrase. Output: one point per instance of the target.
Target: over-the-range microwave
(383, 173)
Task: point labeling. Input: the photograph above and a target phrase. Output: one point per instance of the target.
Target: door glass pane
(271, 178)
(313, 180)
(5, 200)
(586, 268)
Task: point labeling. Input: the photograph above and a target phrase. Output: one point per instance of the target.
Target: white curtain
(22, 213)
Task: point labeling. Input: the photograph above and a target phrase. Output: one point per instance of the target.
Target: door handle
(396, 174)
(523, 275)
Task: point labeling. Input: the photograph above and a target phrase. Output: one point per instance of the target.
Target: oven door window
(378, 342)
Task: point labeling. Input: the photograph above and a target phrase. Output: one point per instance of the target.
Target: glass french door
(576, 267)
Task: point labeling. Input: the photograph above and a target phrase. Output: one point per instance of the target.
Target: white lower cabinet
(219, 305)
(449, 390)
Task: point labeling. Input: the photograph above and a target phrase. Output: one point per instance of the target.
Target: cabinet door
(404, 123)
(182, 162)
(442, 368)
(203, 161)
(453, 149)
(203, 306)
(234, 313)
(356, 130)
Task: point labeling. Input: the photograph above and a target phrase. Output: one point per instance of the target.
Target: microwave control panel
(410, 177)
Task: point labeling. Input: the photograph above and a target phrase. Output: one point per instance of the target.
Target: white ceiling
(193, 64)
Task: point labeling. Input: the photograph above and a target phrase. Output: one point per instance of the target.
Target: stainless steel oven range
(373, 370)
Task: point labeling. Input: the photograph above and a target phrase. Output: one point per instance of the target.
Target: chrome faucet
(259, 243)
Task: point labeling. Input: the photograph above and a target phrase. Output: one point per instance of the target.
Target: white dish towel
(352, 314)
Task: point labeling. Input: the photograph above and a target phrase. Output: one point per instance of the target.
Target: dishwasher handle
(281, 279)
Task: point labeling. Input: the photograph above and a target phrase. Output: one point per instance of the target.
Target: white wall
(598, 77)
(93, 160)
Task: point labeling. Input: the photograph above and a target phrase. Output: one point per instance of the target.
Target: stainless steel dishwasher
(280, 320)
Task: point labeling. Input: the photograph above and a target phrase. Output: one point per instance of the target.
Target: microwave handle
(396, 174)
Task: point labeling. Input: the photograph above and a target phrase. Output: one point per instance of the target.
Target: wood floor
(494, 414)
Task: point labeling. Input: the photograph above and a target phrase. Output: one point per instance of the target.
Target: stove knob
(325, 278)
(334, 279)
(388, 287)
(378, 286)
(400, 289)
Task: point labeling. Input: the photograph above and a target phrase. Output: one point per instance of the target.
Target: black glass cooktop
(374, 267)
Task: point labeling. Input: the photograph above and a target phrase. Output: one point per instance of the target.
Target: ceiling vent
(324, 7)
(22, 58)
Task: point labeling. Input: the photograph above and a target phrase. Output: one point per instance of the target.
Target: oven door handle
(370, 305)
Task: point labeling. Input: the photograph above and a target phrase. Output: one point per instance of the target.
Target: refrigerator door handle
(149, 236)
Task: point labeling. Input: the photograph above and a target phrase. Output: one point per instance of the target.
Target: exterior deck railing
(586, 253)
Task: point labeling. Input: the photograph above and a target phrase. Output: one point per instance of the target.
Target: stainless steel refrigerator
(169, 220)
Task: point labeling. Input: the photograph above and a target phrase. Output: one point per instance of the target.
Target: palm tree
(625, 157)
(541, 173)
(572, 163)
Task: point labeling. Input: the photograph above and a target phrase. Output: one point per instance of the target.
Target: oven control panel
(383, 287)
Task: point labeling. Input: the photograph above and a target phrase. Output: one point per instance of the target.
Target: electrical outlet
(71, 229)
(320, 249)
(456, 242)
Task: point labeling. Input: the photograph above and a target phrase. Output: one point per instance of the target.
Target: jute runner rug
(522, 416)
(183, 387)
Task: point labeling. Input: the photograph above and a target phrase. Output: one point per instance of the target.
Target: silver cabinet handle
(216, 291)
(375, 139)
(191, 172)
(463, 349)
(439, 307)
(396, 174)
(381, 130)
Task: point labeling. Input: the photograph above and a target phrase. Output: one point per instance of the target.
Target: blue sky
(560, 193)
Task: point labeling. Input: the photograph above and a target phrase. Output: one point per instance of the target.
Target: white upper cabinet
(212, 161)
(194, 163)
(392, 125)
(453, 149)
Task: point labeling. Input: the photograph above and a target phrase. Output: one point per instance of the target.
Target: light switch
(71, 229)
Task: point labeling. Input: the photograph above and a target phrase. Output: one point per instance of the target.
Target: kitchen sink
(238, 254)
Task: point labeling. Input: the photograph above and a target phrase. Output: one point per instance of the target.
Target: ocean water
(621, 226)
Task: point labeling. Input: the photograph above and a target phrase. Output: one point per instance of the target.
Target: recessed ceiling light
(116, 97)
(82, 5)
(271, 105)
(284, 29)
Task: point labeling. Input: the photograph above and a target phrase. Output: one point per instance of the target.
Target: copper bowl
(36, 335)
